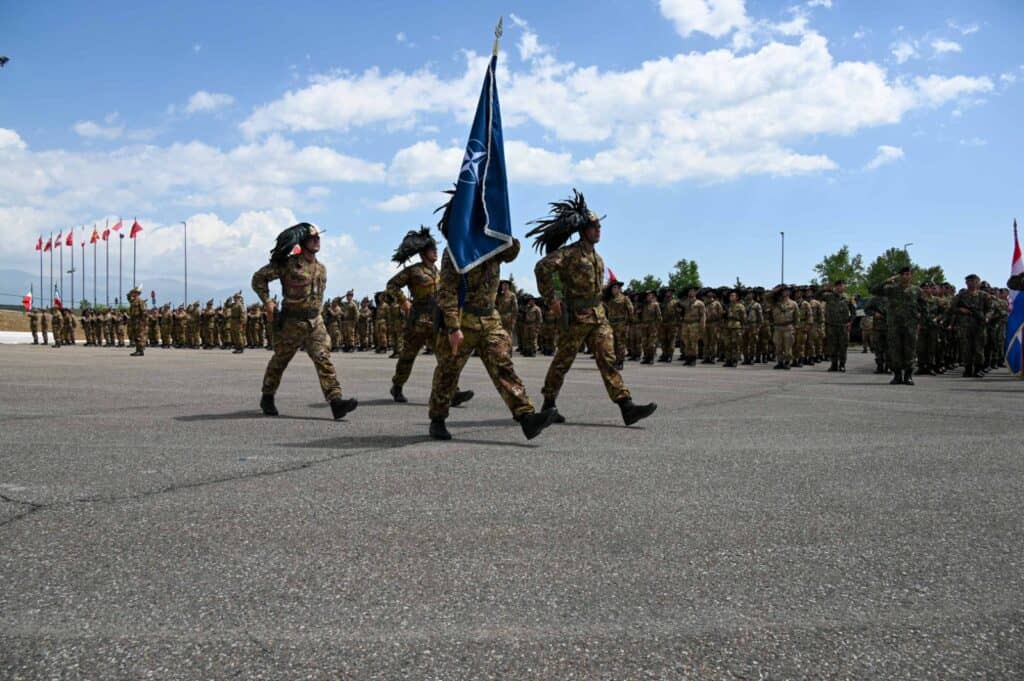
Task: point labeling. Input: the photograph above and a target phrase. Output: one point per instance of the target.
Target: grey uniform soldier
(303, 280)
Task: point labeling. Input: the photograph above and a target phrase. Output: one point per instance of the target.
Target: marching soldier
(581, 272)
(422, 280)
(303, 280)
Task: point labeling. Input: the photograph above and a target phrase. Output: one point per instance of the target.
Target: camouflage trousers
(236, 334)
(599, 337)
(508, 322)
(334, 332)
(692, 335)
(800, 342)
(784, 338)
(750, 338)
(494, 346)
(139, 334)
(928, 345)
(880, 343)
(972, 343)
(381, 334)
(712, 333)
(620, 331)
(313, 335)
(417, 335)
(348, 334)
(902, 346)
(667, 338)
(648, 340)
(732, 341)
(529, 336)
(837, 340)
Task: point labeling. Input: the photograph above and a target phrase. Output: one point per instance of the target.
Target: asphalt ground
(761, 525)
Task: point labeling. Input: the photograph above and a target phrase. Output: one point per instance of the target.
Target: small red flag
(49, 245)
(106, 234)
(39, 244)
(95, 236)
(117, 227)
(71, 238)
(296, 250)
(60, 239)
(27, 300)
(611, 275)
(136, 228)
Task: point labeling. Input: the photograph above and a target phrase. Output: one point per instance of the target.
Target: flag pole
(107, 242)
(94, 297)
(85, 294)
(135, 250)
(120, 249)
(41, 269)
(51, 269)
(497, 37)
(72, 270)
(61, 258)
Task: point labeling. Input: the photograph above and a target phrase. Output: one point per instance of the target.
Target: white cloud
(1008, 78)
(974, 142)
(903, 51)
(859, 34)
(964, 30)
(400, 37)
(716, 18)
(937, 90)
(203, 101)
(93, 130)
(827, 4)
(413, 200)
(943, 46)
(10, 140)
(885, 155)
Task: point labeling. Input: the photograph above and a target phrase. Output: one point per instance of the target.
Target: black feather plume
(288, 240)
(413, 243)
(565, 219)
(442, 224)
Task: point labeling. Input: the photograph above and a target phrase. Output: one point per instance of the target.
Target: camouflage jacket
(581, 272)
(972, 309)
(650, 314)
(137, 308)
(422, 280)
(839, 310)
(905, 303)
(481, 290)
(785, 313)
(755, 314)
(619, 309)
(507, 304)
(735, 316)
(693, 311)
(302, 283)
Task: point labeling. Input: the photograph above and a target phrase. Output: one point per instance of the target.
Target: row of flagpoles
(56, 244)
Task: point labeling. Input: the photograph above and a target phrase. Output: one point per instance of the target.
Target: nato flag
(479, 225)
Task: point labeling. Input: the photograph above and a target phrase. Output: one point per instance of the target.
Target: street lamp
(185, 225)
(782, 264)
(906, 246)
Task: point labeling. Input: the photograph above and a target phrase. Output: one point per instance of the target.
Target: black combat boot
(139, 352)
(897, 377)
(787, 366)
(834, 366)
(879, 369)
(631, 413)
(340, 407)
(461, 397)
(908, 378)
(396, 393)
(237, 351)
(438, 430)
(778, 365)
(618, 366)
(549, 405)
(842, 366)
(267, 405)
(648, 360)
(968, 371)
(533, 424)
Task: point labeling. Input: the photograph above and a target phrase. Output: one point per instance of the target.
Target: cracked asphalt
(762, 525)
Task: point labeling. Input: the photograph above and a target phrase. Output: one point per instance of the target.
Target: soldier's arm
(630, 311)
(261, 280)
(880, 289)
(545, 271)
(396, 284)
(510, 253)
(448, 295)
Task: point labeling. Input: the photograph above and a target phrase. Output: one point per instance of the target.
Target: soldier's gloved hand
(455, 339)
(556, 308)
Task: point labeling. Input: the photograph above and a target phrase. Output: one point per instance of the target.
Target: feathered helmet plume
(565, 219)
(442, 224)
(290, 238)
(413, 243)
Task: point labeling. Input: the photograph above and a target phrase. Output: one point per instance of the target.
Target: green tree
(648, 283)
(684, 274)
(840, 265)
(892, 261)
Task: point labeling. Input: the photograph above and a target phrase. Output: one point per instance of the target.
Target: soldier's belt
(478, 311)
(783, 323)
(299, 314)
(583, 304)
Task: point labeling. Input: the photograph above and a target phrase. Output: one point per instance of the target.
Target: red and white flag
(136, 228)
(95, 235)
(60, 239)
(106, 234)
(71, 238)
(48, 246)
(56, 298)
(27, 300)
(117, 227)
(39, 244)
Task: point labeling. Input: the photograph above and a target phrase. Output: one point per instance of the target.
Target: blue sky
(701, 127)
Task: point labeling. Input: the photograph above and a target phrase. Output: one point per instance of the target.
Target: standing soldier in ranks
(838, 317)
(397, 320)
(121, 328)
(997, 328)
(712, 327)
(44, 326)
(695, 318)
(867, 324)
(349, 317)
(751, 327)
(650, 324)
(250, 327)
(331, 312)
(972, 308)
(550, 330)
(192, 325)
(784, 314)
(153, 328)
(380, 323)
(620, 316)
(580, 270)
(875, 307)
(71, 326)
(732, 332)
(634, 345)
(766, 336)
(138, 318)
(222, 315)
(532, 320)
(57, 324)
(928, 335)
(474, 324)
(422, 280)
(668, 326)
(206, 324)
(33, 325)
(365, 325)
(299, 322)
(237, 315)
(805, 319)
(87, 326)
(166, 323)
(508, 308)
(904, 310)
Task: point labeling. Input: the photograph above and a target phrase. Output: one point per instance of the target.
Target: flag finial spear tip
(497, 36)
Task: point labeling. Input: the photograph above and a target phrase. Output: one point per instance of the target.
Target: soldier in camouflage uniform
(694, 315)
(837, 314)
(649, 324)
(422, 280)
(33, 324)
(549, 331)
(475, 324)
(580, 270)
(397, 320)
(620, 315)
(532, 321)
(805, 319)
(928, 335)
(380, 324)
(668, 326)
(57, 324)
(904, 310)
(732, 330)
(751, 327)
(996, 328)
(972, 309)
(137, 315)
(508, 308)
(876, 308)
(348, 317)
(237, 315)
(303, 280)
(365, 325)
(784, 313)
(714, 314)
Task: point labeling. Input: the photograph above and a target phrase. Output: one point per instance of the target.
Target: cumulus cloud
(966, 29)
(400, 203)
(903, 51)
(716, 18)
(943, 46)
(93, 130)
(885, 155)
(827, 4)
(203, 101)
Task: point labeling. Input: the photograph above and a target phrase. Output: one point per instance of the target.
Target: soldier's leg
(601, 342)
(318, 347)
(569, 341)
(447, 372)
(415, 338)
(495, 347)
(287, 343)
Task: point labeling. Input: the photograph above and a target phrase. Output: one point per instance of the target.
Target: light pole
(905, 247)
(782, 263)
(185, 225)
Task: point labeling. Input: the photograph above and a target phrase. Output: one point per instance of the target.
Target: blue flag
(479, 225)
(1014, 343)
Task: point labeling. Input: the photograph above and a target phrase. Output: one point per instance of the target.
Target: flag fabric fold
(95, 236)
(71, 238)
(56, 297)
(26, 301)
(49, 246)
(1014, 343)
(106, 234)
(136, 228)
(117, 226)
(59, 241)
(39, 244)
(479, 225)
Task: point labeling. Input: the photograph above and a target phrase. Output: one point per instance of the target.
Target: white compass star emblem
(470, 170)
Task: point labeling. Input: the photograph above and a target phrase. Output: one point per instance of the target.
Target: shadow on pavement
(391, 442)
(241, 415)
(379, 402)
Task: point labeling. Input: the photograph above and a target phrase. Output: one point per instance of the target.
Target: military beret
(971, 276)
